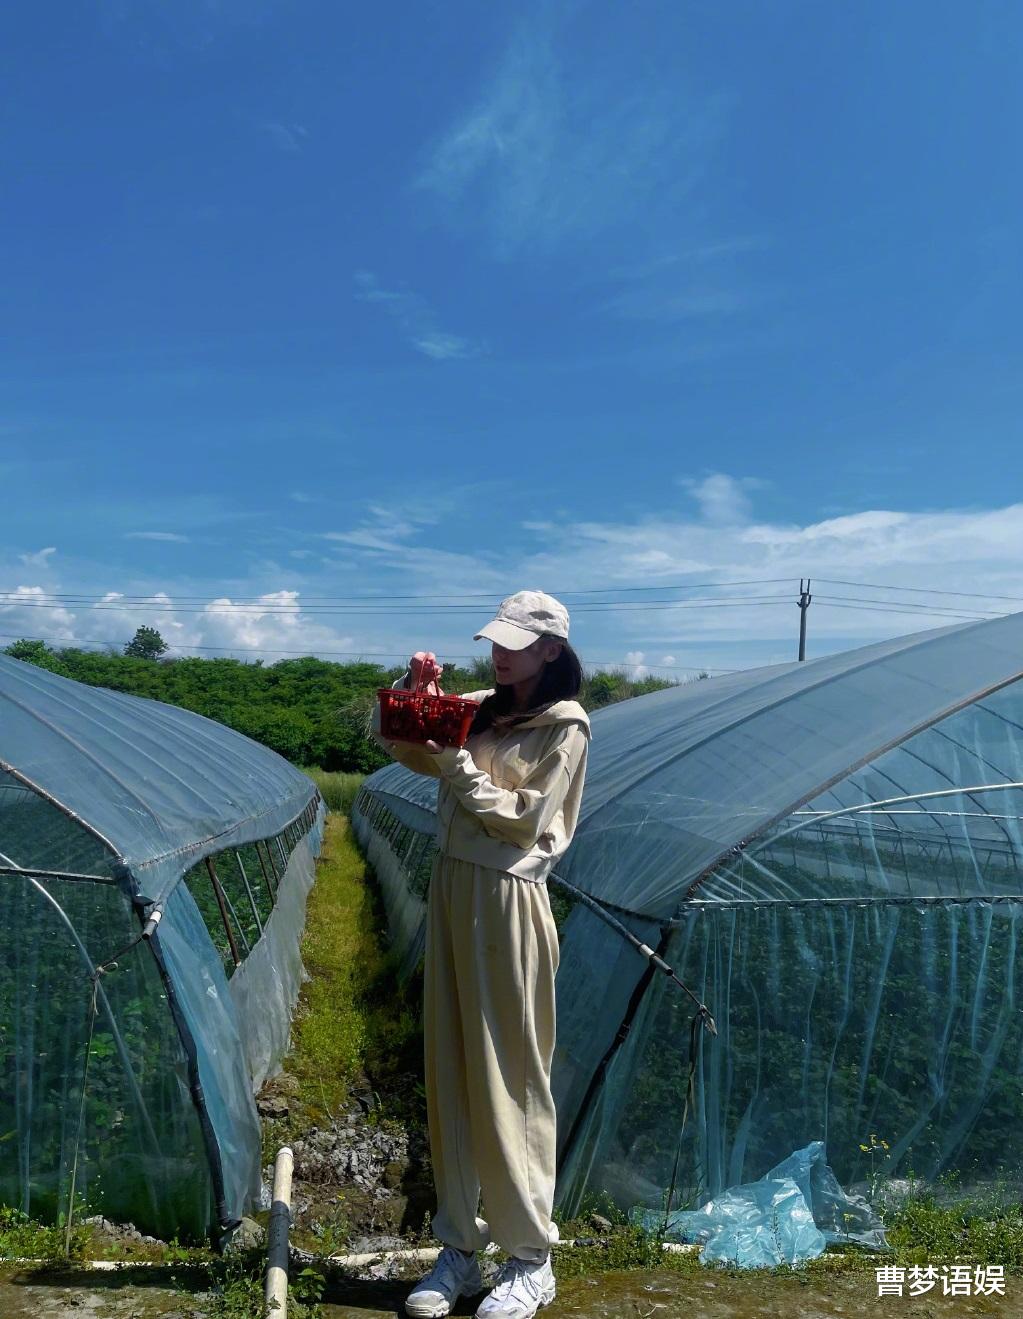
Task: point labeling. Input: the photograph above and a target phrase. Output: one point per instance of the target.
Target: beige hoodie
(509, 799)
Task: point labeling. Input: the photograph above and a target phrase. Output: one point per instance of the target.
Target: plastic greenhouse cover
(201, 995)
(786, 1217)
(265, 987)
(403, 788)
(937, 817)
(162, 786)
(404, 900)
(678, 778)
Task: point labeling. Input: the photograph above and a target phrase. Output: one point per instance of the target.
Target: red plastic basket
(416, 716)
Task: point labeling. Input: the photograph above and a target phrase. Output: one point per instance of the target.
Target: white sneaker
(521, 1290)
(455, 1274)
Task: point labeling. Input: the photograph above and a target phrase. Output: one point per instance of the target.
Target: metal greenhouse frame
(154, 868)
(831, 854)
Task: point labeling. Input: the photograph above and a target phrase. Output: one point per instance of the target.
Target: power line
(399, 655)
(384, 598)
(298, 610)
(920, 590)
(350, 611)
(910, 605)
(906, 609)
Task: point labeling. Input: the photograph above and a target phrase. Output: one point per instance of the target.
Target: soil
(635, 1295)
(632, 1295)
(76, 1294)
(362, 1179)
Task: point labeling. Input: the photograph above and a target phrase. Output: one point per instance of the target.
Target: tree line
(311, 711)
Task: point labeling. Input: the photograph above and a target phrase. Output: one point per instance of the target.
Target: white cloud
(416, 320)
(548, 153)
(634, 662)
(957, 550)
(39, 559)
(703, 282)
(723, 500)
(412, 548)
(442, 347)
(274, 622)
(171, 536)
(290, 138)
(391, 534)
(23, 613)
(269, 625)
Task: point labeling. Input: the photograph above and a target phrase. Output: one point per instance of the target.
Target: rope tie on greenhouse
(702, 1011)
(701, 1018)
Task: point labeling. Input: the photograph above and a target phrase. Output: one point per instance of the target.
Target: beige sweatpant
(491, 956)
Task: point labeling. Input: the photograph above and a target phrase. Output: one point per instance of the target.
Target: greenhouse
(829, 854)
(154, 868)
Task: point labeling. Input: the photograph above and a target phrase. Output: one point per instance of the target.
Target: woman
(507, 807)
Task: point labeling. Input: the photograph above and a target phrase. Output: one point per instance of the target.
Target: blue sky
(305, 301)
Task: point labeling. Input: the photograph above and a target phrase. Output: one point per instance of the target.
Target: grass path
(355, 1025)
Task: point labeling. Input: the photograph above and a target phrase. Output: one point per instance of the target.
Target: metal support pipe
(277, 1235)
(248, 890)
(232, 942)
(238, 926)
(273, 864)
(266, 873)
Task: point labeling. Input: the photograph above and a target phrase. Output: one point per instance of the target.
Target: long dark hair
(560, 680)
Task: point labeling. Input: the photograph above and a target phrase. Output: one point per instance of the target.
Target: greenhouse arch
(830, 853)
(154, 867)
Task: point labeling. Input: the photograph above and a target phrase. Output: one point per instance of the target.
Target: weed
(352, 1017)
(627, 1248)
(238, 1290)
(341, 951)
(21, 1236)
(333, 1232)
(922, 1229)
(880, 1163)
(337, 789)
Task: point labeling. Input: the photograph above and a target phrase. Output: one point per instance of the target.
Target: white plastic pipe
(428, 1254)
(277, 1236)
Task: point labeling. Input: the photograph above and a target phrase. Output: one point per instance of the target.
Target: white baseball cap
(525, 616)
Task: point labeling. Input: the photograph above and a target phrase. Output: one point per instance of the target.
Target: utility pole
(804, 604)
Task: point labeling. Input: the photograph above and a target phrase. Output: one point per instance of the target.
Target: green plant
(22, 1237)
(238, 1290)
(353, 1019)
(627, 1248)
(879, 1153)
(312, 711)
(333, 1232)
(337, 789)
(146, 644)
(923, 1229)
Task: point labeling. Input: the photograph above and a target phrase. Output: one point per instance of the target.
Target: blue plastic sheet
(787, 1217)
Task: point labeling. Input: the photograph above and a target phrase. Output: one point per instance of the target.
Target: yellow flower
(865, 1149)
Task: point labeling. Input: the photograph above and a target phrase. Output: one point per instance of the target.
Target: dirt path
(632, 1295)
(635, 1295)
(171, 1293)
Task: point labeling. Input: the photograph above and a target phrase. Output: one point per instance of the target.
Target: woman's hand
(423, 667)
(433, 747)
